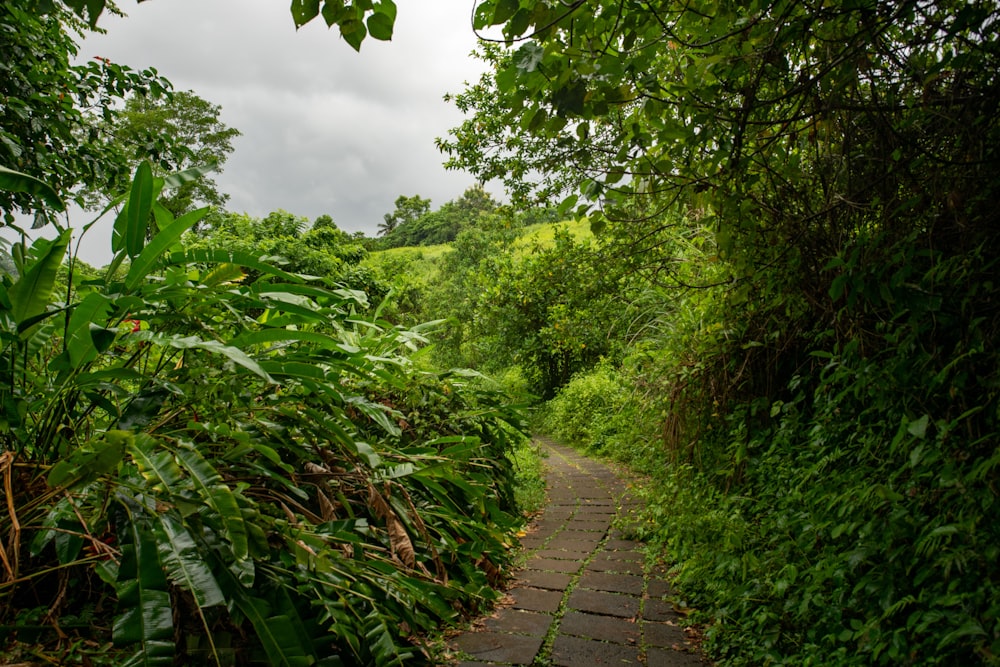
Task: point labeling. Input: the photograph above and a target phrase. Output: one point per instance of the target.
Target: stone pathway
(585, 596)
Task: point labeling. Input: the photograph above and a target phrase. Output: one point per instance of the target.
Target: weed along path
(586, 595)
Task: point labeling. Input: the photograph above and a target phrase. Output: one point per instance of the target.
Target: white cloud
(325, 129)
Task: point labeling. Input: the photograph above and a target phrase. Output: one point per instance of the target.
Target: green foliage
(175, 133)
(408, 209)
(414, 225)
(208, 450)
(589, 409)
(826, 413)
(51, 121)
(321, 250)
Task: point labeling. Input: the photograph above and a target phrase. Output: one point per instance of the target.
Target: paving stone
(598, 511)
(663, 635)
(552, 564)
(583, 526)
(658, 588)
(658, 610)
(558, 554)
(603, 564)
(499, 647)
(616, 583)
(661, 657)
(600, 602)
(622, 545)
(562, 542)
(605, 628)
(553, 581)
(522, 622)
(530, 543)
(536, 599)
(593, 503)
(579, 652)
(626, 555)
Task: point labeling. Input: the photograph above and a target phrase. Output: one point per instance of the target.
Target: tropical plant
(218, 468)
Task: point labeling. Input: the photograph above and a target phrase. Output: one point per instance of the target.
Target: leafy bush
(213, 467)
(588, 410)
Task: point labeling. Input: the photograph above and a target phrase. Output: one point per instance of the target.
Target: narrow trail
(585, 596)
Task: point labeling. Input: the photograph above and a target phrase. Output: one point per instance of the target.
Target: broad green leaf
(90, 460)
(222, 274)
(31, 294)
(145, 616)
(185, 563)
(304, 11)
(353, 31)
(231, 257)
(15, 181)
(380, 26)
(265, 336)
(130, 226)
(503, 10)
(80, 342)
(142, 264)
(215, 494)
(194, 343)
(189, 175)
(276, 633)
(156, 465)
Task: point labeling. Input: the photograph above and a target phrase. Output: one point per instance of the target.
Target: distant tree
(174, 133)
(322, 250)
(407, 210)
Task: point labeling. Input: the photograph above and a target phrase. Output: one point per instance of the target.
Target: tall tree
(175, 133)
(407, 210)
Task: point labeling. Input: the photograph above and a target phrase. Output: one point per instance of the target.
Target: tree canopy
(52, 113)
(175, 132)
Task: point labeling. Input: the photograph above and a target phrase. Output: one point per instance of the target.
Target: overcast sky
(324, 129)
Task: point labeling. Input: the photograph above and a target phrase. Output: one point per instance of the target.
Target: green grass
(529, 483)
(544, 233)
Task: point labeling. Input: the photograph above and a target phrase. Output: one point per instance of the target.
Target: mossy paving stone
(520, 621)
(604, 628)
(658, 588)
(662, 635)
(601, 564)
(658, 610)
(499, 647)
(558, 554)
(562, 542)
(536, 599)
(600, 602)
(621, 545)
(661, 657)
(552, 564)
(580, 526)
(553, 581)
(615, 583)
(580, 652)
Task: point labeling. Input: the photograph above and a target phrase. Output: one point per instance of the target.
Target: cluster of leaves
(414, 224)
(52, 116)
(319, 249)
(834, 401)
(209, 458)
(548, 309)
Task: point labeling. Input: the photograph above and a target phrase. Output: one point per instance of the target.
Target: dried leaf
(400, 542)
